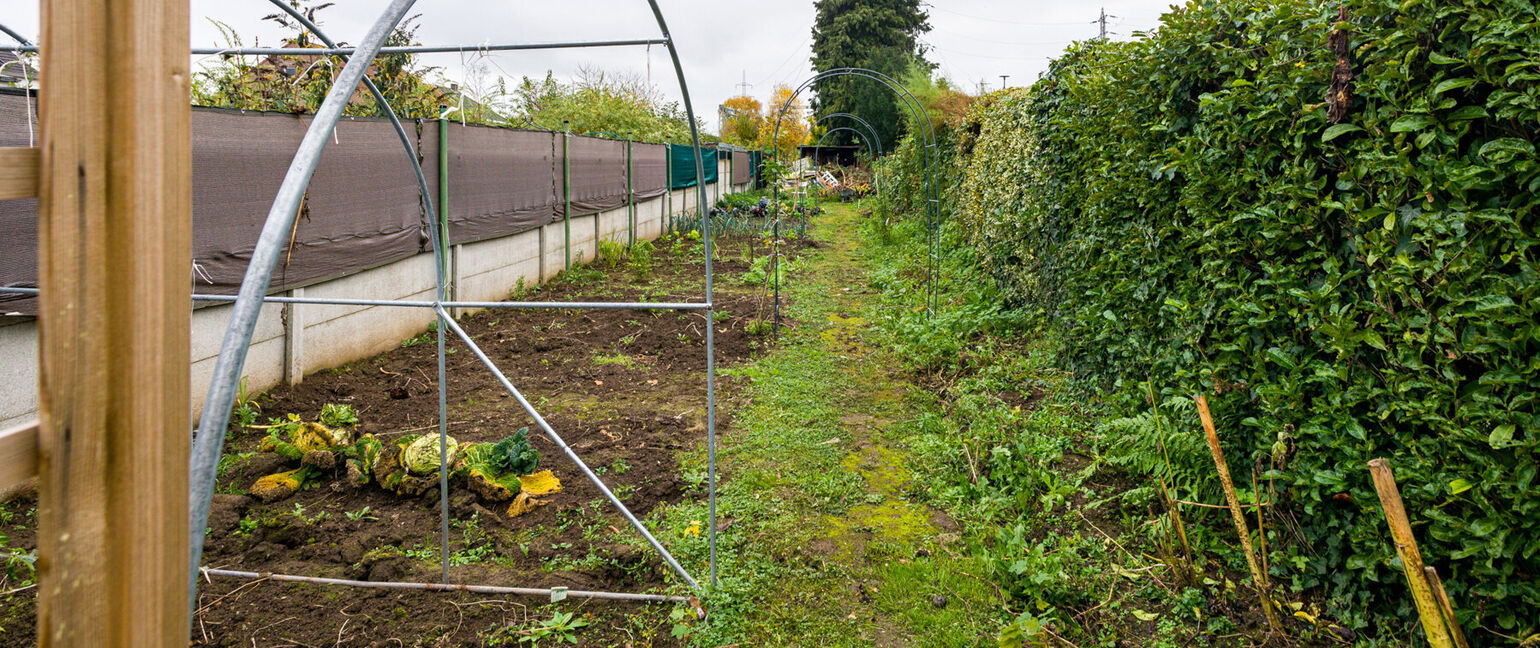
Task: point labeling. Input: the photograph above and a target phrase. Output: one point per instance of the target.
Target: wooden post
(114, 257)
(1411, 559)
(1258, 577)
(1437, 585)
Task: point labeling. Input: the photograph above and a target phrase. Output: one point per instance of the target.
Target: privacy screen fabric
(18, 218)
(363, 207)
(682, 170)
(650, 164)
(740, 167)
(501, 181)
(756, 159)
(598, 174)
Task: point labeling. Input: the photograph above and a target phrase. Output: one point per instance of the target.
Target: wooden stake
(1256, 494)
(1257, 577)
(1437, 585)
(1411, 559)
(114, 269)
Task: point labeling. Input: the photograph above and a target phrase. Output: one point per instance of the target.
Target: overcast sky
(721, 42)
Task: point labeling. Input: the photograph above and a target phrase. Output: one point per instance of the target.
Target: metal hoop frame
(930, 158)
(859, 134)
(209, 435)
(872, 132)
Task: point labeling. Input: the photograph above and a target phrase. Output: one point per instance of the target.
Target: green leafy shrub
(1186, 207)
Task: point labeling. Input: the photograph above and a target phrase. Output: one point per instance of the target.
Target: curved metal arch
(281, 218)
(910, 101)
(870, 132)
(932, 192)
(209, 441)
(703, 214)
(859, 135)
(204, 458)
(874, 153)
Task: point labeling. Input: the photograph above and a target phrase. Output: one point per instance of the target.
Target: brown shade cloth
(362, 209)
(500, 181)
(18, 218)
(598, 174)
(650, 164)
(741, 170)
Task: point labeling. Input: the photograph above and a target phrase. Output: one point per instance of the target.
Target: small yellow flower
(694, 530)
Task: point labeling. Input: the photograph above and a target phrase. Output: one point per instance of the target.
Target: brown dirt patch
(624, 389)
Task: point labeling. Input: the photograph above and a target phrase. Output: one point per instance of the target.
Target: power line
(794, 52)
(946, 67)
(996, 56)
(995, 41)
(1001, 20)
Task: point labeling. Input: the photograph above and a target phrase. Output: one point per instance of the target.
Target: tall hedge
(1347, 269)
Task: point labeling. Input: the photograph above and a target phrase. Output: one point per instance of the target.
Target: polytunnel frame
(208, 444)
(933, 193)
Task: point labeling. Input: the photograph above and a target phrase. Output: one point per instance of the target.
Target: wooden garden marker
(1411, 559)
(1257, 577)
(114, 269)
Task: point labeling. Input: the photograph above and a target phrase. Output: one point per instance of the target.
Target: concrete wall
(292, 340)
(18, 373)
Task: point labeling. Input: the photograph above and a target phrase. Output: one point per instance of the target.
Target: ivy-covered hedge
(1348, 271)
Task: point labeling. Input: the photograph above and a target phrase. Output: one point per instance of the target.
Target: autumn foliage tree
(794, 127)
(741, 118)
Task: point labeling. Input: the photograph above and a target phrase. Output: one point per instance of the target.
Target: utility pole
(743, 88)
(981, 87)
(1003, 77)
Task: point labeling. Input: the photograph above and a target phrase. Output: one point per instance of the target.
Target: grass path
(820, 537)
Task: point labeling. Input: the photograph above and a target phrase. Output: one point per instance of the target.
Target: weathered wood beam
(18, 455)
(114, 216)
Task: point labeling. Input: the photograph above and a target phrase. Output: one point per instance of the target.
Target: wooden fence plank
(18, 455)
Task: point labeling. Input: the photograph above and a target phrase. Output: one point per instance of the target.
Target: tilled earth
(624, 388)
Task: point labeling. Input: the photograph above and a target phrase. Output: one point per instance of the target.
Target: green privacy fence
(681, 166)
